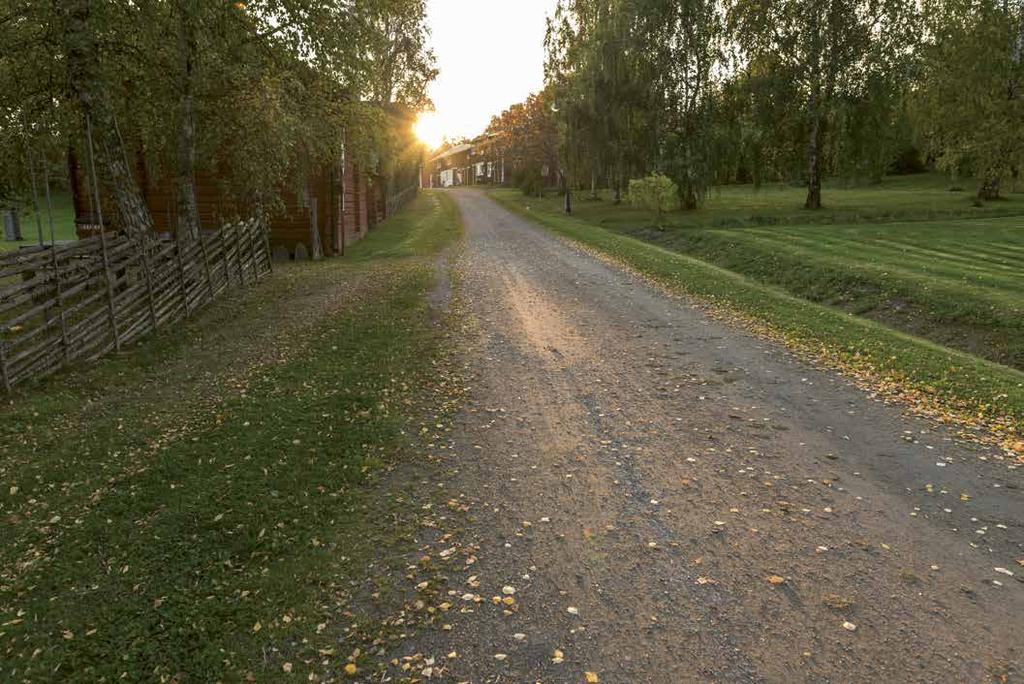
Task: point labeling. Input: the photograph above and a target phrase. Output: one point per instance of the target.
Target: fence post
(206, 262)
(60, 304)
(238, 256)
(3, 366)
(265, 232)
(103, 237)
(224, 255)
(142, 246)
(181, 277)
(252, 251)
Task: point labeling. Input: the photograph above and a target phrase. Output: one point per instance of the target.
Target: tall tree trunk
(593, 185)
(185, 182)
(989, 189)
(86, 88)
(689, 199)
(814, 160)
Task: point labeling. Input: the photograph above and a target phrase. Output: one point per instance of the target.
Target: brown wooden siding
(342, 200)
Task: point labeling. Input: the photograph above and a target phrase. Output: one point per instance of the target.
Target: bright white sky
(491, 55)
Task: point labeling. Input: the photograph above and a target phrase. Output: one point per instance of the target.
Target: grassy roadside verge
(942, 382)
(952, 282)
(181, 536)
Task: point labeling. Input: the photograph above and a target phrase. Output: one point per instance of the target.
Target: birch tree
(970, 105)
(826, 48)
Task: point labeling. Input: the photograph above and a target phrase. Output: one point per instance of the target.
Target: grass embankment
(937, 379)
(199, 508)
(955, 282)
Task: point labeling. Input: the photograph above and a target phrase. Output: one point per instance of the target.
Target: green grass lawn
(199, 508)
(63, 224)
(955, 279)
(897, 198)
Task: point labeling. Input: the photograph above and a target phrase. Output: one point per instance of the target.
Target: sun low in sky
(430, 129)
(490, 54)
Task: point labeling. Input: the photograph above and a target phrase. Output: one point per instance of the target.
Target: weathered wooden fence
(80, 300)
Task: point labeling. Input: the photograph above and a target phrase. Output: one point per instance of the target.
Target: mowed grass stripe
(965, 259)
(915, 272)
(931, 246)
(887, 249)
(899, 258)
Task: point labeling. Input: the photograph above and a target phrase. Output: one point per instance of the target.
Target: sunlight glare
(429, 129)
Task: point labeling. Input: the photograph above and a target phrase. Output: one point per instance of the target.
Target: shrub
(529, 181)
(656, 193)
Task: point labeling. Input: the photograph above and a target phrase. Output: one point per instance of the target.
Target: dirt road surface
(672, 499)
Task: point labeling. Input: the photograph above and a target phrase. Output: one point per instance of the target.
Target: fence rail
(78, 301)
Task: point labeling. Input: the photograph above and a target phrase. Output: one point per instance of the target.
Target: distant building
(478, 162)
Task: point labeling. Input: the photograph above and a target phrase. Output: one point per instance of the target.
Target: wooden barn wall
(291, 225)
(350, 217)
(344, 207)
(162, 202)
(364, 213)
(353, 205)
(159, 195)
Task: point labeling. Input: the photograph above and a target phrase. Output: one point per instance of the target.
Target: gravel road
(673, 499)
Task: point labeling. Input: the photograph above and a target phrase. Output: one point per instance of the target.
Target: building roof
(453, 150)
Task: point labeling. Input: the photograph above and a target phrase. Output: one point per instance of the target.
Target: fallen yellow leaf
(351, 669)
(591, 677)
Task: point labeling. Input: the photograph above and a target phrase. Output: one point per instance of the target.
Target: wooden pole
(238, 257)
(60, 306)
(206, 263)
(49, 201)
(344, 207)
(103, 235)
(224, 255)
(252, 250)
(266, 244)
(3, 367)
(344, 223)
(35, 193)
(181, 273)
(56, 268)
(143, 247)
(331, 210)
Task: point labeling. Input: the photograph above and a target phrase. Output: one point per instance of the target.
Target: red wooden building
(336, 208)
